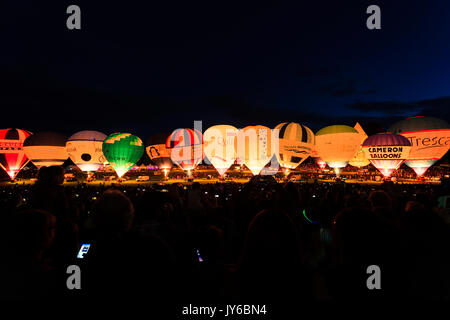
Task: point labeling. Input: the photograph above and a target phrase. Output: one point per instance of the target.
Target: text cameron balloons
(220, 146)
(386, 151)
(85, 150)
(429, 137)
(256, 147)
(122, 151)
(46, 149)
(12, 156)
(337, 145)
(186, 148)
(295, 144)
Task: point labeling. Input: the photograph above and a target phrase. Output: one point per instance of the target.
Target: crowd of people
(259, 241)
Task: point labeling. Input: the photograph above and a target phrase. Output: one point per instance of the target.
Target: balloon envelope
(360, 160)
(12, 156)
(186, 148)
(46, 149)
(220, 146)
(337, 145)
(295, 144)
(255, 147)
(386, 151)
(122, 150)
(157, 151)
(85, 149)
(429, 137)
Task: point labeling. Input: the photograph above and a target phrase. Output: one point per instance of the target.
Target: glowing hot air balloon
(122, 150)
(256, 147)
(46, 149)
(337, 145)
(157, 151)
(360, 160)
(429, 137)
(220, 146)
(186, 148)
(295, 143)
(12, 156)
(85, 150)
(386, 151)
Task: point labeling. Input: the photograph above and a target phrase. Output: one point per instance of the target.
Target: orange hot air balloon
(386, 151)
(256, 146)
(46, 149)
(337, 145)
(360, 160)
(429, 137)
(220, 146)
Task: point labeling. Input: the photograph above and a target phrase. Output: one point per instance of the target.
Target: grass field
(202, 181)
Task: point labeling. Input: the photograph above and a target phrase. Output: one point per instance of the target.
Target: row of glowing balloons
(417, 141)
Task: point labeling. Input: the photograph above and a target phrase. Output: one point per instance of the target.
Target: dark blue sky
(157, 67)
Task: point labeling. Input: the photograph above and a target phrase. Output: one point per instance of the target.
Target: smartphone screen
(83, 250)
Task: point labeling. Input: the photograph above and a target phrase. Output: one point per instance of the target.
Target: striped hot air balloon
(295, 144)
(46, 149)
(122, 150)
(186, 148)
(386, 151)
(12, 156)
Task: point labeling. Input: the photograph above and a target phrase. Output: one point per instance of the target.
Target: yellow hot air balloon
(360, 159)
(337, 145)
(220, 146)
(256, 147)
(295, 144)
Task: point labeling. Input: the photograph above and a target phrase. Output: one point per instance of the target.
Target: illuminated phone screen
(83, 250)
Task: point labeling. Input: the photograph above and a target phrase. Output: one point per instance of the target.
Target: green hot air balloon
(122, 150)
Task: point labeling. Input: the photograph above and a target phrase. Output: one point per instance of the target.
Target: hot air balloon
(157, 151)
(46, 149)
(12, 156)
(122, 151)
(85, 150)
(255, 147)
(386, 151)
(360, 160)
(429, 137)
(220, 146)
(295, 143)
(337, 145)
(186, 148)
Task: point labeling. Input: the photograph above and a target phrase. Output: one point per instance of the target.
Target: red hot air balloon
(386, 151)
(12, 156)
(186, 148)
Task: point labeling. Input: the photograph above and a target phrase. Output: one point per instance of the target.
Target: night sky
(147, 68)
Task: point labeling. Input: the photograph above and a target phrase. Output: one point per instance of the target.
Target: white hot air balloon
(220, 146)
(256, 146)
(85, 150)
